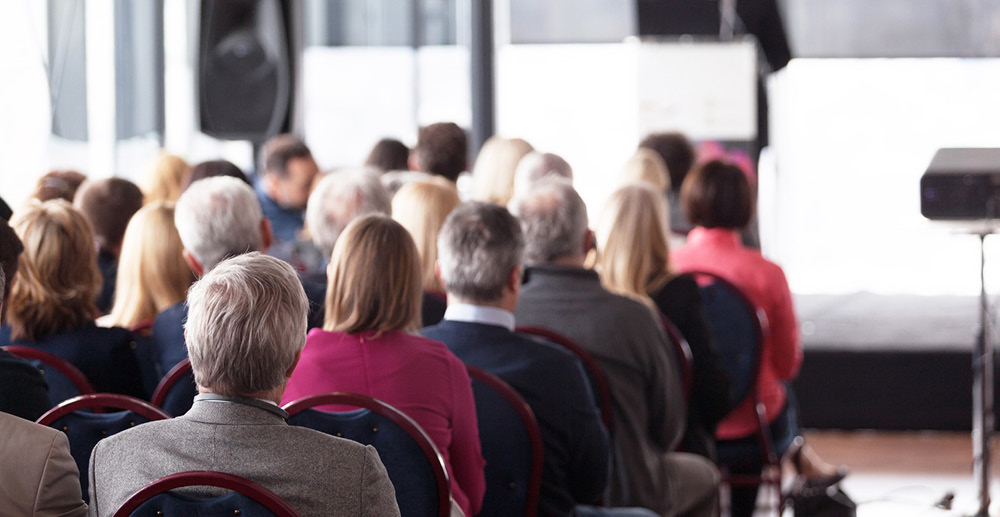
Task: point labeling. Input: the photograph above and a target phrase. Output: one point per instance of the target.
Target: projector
(962, 184)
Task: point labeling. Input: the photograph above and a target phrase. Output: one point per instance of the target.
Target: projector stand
(982, 393)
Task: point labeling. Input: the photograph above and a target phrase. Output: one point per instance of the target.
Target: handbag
(825, 501)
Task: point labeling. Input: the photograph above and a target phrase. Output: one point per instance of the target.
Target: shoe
(816, 481)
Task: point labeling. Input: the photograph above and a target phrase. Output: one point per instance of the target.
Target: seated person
(23, 391)
(38, 476)
(241, 363)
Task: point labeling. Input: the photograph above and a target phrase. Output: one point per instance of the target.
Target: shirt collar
(480, 314)
(266, 405)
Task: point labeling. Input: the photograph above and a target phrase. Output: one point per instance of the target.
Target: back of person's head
(339, 198)
(647, 166)
(479, 246)
(219, 217)
(717, 195)
(421, 207)
(164, 179)
(535, 166)
(58, 277)
(152, 274)
(676, 151)
(442, 149)
(388, 154)
(246, 325)
(280, 150)
(10, 253)
(395, 180)
(493, 174)
(554, 221)
(288, 171)
(210, 169)
(59, 184)
(374, 278)
(109, 204)
(633, 241)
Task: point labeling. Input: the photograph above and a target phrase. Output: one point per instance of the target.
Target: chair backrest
(247, 499)
(85, 429)
(414, 464)
(512, 447)
(598, 383)
(145, 353)
(683, 352)
(176, 391)
(65, 380)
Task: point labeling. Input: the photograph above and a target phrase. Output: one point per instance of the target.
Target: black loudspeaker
(248, 60)
(677, 17)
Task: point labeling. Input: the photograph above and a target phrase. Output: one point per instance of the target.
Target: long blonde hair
(634, 250)
(164, 178)
(647, 166)
(421, 207)
(58, 278)
(374, 278)
(493, 174)
(152, 274)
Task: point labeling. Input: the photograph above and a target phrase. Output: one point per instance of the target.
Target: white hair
(246, 323)
(218, 217)
(554, 221)
(340, 198)
(535, 166)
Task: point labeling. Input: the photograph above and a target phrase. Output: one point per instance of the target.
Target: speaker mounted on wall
(247, 68)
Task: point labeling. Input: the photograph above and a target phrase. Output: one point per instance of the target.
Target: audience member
(631, 348)
(679, 156)
(284, 182)
(5, 211)
(493, 174)
(58, 185)
(108, 204)
(718, 199)
(395, 180)
(442, 149)
(367, 346)
(163, 180)
(421, 208)
(241, 363)
(480, 249)
(211, 169)
(634, 261)
(388, 155)
(52, 301)
(646, 166)
(535, 166)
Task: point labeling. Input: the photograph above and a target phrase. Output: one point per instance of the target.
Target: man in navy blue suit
(479, 257)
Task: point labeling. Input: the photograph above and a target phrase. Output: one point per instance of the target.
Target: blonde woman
(51, 303)
(421, 207)
(645, 166)
(493, 174)
(635, 261)
(152, 274)
(163, 181)
(368, 345)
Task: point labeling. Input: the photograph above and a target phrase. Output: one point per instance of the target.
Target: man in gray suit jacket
(245, 331)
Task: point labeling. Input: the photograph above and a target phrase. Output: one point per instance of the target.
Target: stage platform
(887, 362)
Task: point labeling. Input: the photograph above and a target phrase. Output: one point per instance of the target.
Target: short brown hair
(109, 204)
(677, 153)
(213, 168)
(58, 185)
(442, 149)
(280, 150)
(374, 278)
(717, 195)
(388, 155)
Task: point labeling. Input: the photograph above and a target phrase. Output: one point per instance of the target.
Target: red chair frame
(168, 381)
(255, 491)
(594, 369)
(683, 350)
(103, 400)
(343, 398)
(57, 363)
(531, 426)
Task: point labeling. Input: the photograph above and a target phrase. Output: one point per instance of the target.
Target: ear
(413, 162)
(589, 241)
(437, 274)
(288, 373)
(514, 280)
(266, 235)
(192, 263)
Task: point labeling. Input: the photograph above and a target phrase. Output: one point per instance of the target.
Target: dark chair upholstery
(602, 393)
(247, 499)
(511, 445)
(65, 380)
(146, 354)
(84, 429)
(739, 327)
(413, 463)
(176, 391)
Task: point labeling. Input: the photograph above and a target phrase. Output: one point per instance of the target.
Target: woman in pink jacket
(368, 345)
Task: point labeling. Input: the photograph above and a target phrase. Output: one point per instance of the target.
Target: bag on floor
(828, 501)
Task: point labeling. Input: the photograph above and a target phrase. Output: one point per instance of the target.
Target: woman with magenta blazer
(368, 345)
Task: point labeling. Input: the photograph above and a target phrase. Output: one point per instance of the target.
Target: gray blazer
(317, 474)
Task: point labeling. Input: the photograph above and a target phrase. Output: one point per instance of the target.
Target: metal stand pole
(982, 395)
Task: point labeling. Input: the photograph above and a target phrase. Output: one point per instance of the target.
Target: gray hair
(535, 166)
(218, 217)
(478, 246)
(340, 198)
(246, 323)
(554, 220)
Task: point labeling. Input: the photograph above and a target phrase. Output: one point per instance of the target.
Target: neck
(507, 302)
(569, 261)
